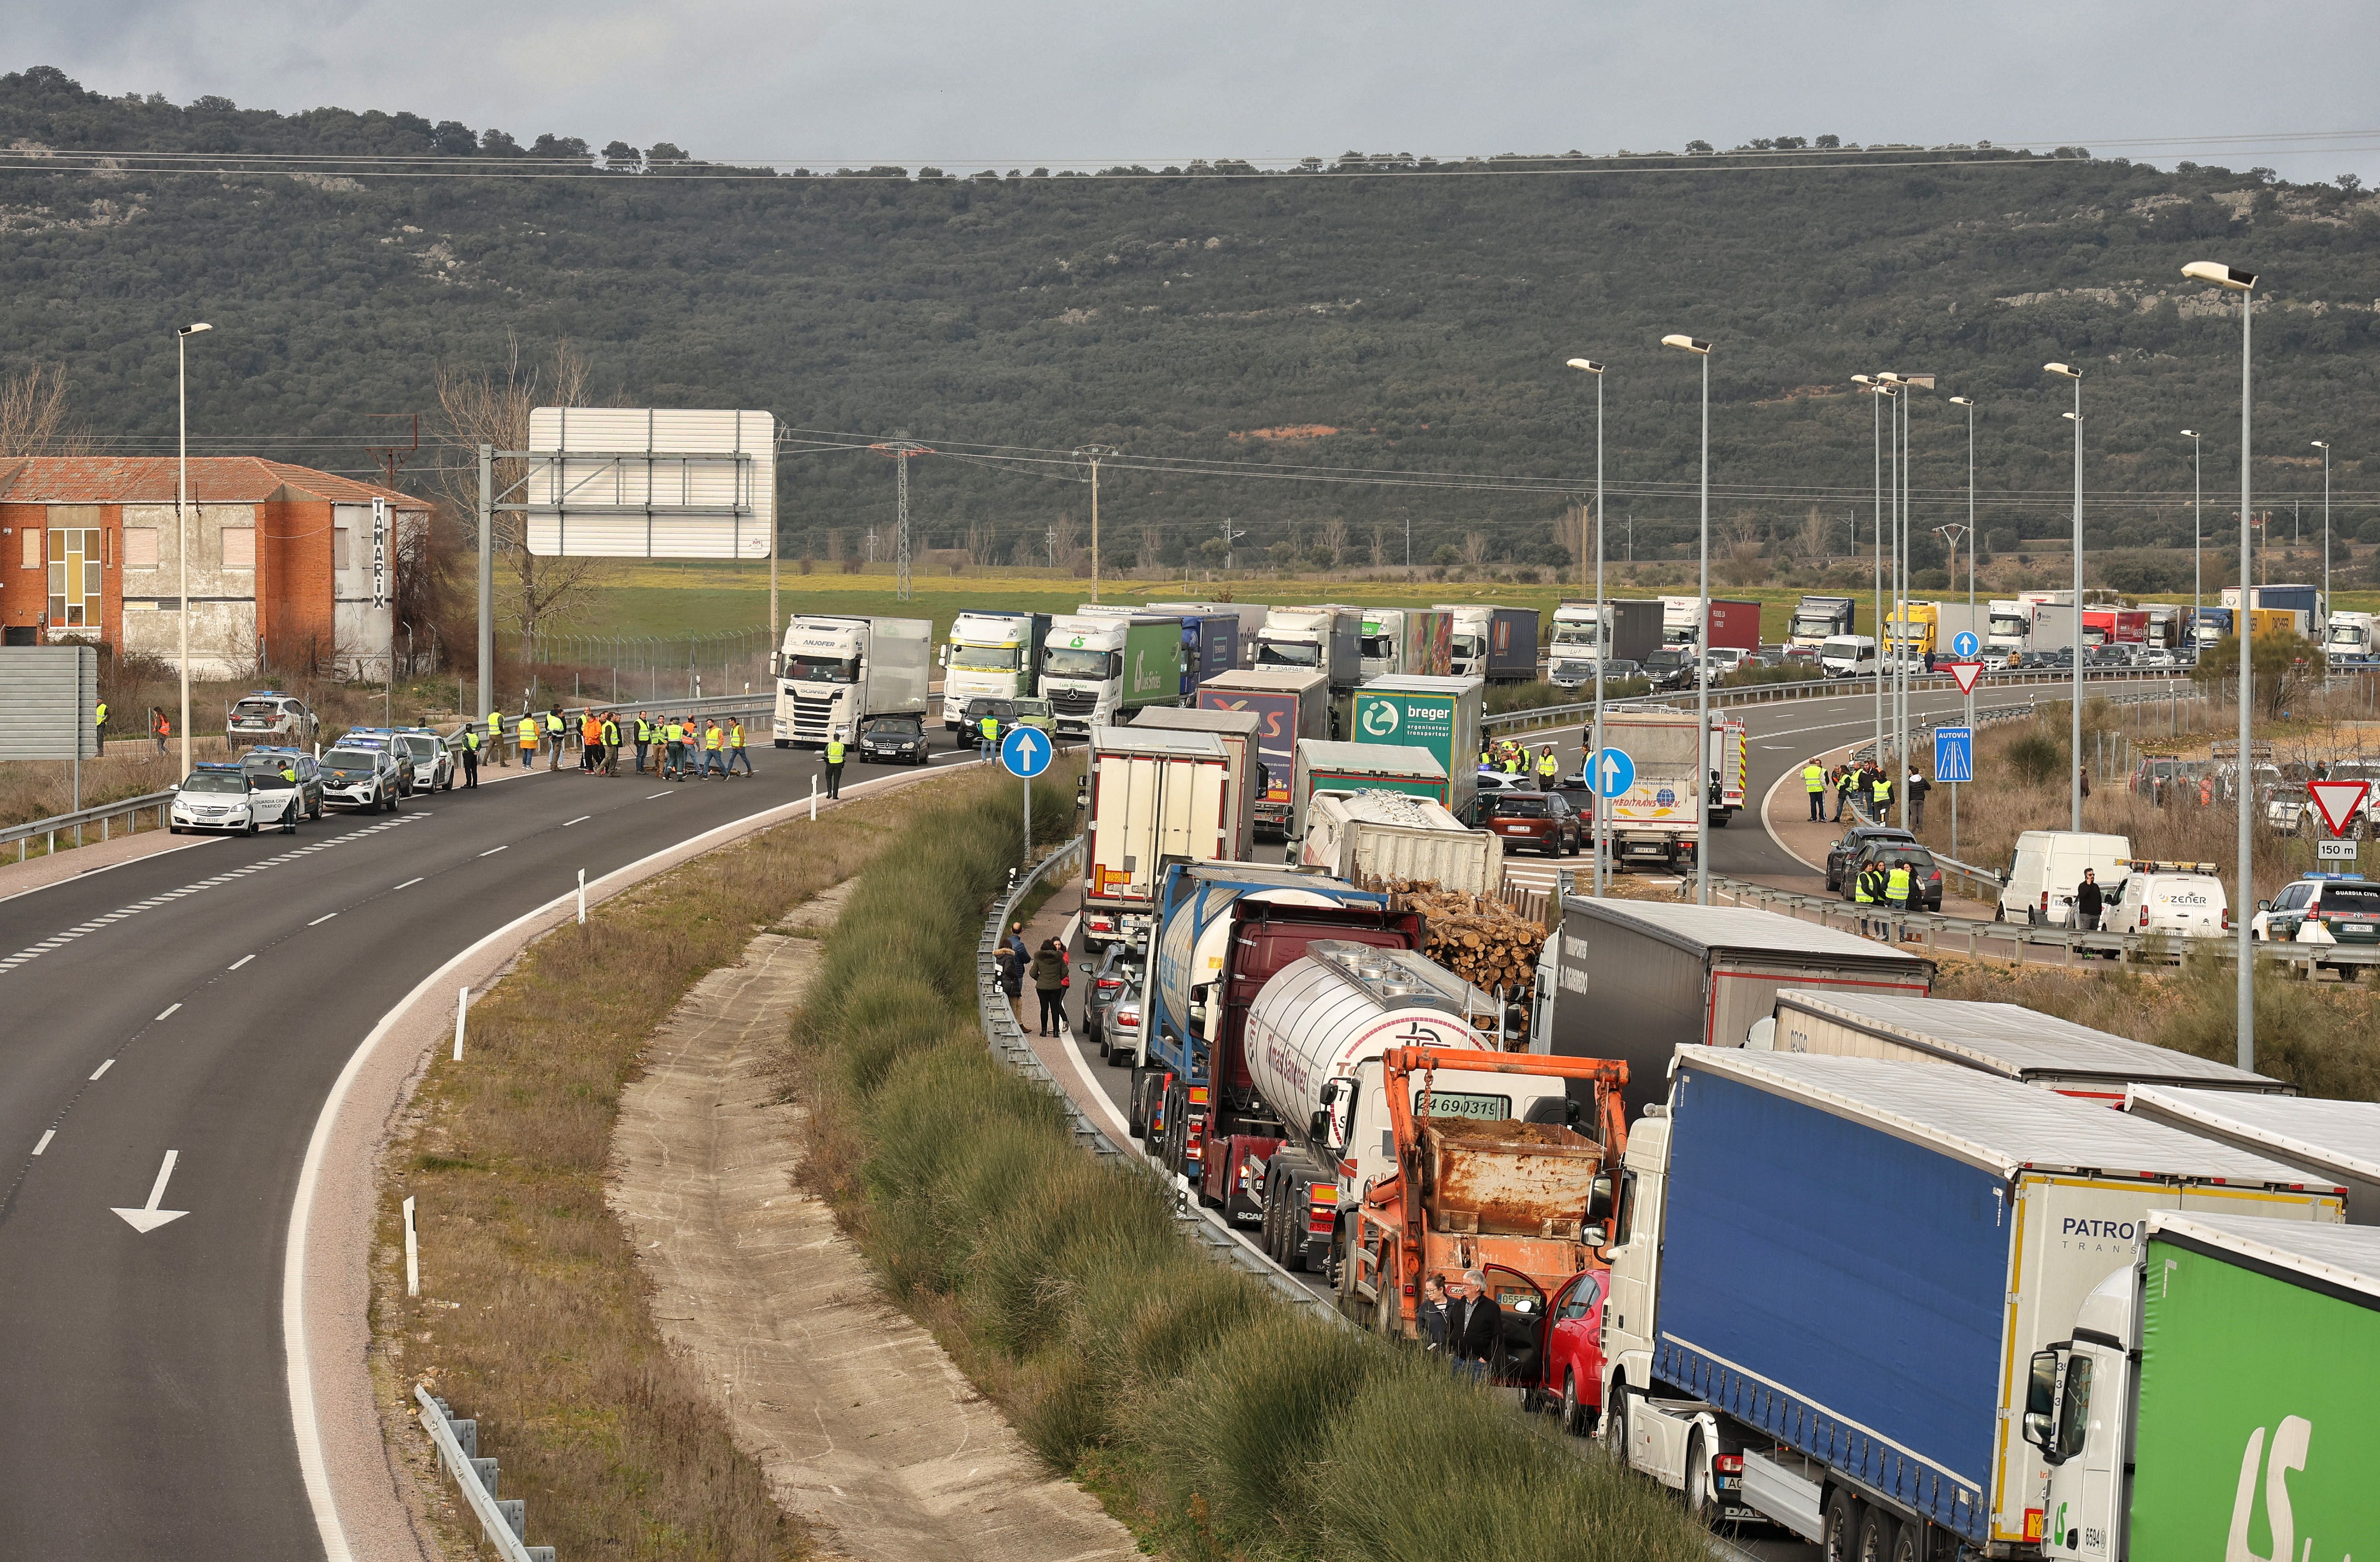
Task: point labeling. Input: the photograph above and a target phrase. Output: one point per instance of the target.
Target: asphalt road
(194, 1008)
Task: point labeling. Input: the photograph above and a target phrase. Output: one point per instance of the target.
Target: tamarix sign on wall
(1437, 714)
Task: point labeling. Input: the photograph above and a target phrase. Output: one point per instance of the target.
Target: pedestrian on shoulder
(1049, 982)
(555, 737)
(1813, 780)
(470, 757)
(1433, 1314)
(835, 752)
(736, 754)
(1918, 787)
(2089, 900)
(1013, 963)
(611, 743)
(1473, 1327)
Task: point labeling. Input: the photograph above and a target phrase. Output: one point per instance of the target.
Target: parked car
(1840, 855)
(263, 765)
(1570, 1381)
(1925, 872)
(971, 719)
(2181, 899)
(1122, 969)
(2339, 909)
(1574, 791)
(271, 716)
(217, 797)
(1034, 711)
(1725, 659)
(1126, 1046)
(1538, 818)
(422, 754)
(2108, 657)
(2161, 777)
(893, 740)
(1670, 666)
(2287, 810)
(1571, 673)
(364, 774)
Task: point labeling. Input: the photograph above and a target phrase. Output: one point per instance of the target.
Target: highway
(177, 1023)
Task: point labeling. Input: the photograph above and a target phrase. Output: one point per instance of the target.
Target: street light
(2243, 284)
(1903, 461)
(2074, 783)
(1969, 403)
(1883, 392)
(2197, 500)
(1701, 349)
(2322, 631)
(1602, 636)
(182, 336)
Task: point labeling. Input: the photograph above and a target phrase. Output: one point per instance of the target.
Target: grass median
(1211, 1417)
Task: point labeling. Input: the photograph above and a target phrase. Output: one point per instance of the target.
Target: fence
(1762, 694)
(129, 810)
(1011, 1046)
(640, 667)
(505, 1522)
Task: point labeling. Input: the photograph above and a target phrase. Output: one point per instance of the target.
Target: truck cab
(989, 656)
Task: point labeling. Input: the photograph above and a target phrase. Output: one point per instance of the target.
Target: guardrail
(1011, 1046)
(504, 1521)
(129, 810)
(1763, 693)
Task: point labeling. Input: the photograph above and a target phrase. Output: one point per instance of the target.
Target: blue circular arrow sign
(1026, 751)
(1965, 644)
(1613, 773)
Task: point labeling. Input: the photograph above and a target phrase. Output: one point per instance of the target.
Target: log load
(1485, 942)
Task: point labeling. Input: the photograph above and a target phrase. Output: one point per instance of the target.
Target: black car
(893, 740)
(1899, 853)
(971, 720)
(1840, 855)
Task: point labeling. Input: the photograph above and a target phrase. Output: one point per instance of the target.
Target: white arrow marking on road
(147, 1217)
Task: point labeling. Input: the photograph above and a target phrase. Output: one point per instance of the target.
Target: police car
(363, 771)
(2340, 909)
(264, 767)
(217, 797)
(428, 764)
(272, 715)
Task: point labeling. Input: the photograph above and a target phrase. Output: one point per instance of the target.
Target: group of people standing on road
(1865, 784)
(1514, 760)
(1462, 1321)
(686, 751)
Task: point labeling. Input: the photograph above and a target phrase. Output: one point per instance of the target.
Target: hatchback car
(1122, 970)
(893, 740)
(1571, 1379)
(287, 774)
(362, 774)
(1840, 855)
(1537, 818)
(217, 796)
(271, 716)
(1924, 871)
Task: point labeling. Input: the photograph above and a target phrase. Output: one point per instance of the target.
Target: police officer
(1814, 777)
(611, 743)
(289, 779)
(1548, 768)
(988, 736)
(834, 751)
(470, 757)
(496, 735)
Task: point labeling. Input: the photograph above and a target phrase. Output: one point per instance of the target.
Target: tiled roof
(151, 480)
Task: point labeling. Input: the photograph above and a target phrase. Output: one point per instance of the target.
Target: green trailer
(1326, 765)
(1438, 714)
(2217, 1400)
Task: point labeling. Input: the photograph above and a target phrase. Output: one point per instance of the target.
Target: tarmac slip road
(173, 1027)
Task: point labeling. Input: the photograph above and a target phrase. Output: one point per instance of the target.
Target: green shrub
(2037, 758)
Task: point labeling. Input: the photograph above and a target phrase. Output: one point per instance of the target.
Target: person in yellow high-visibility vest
(1897, 888)
(528, 740)
(715, 742)
(1881, 791)
(834, 754)
(674, 750)
(736, 754)
(553, 737)
(989, 740)
(496, 735)
(471, 749)
(1548, 767)
(1813, 778)
(611, 734)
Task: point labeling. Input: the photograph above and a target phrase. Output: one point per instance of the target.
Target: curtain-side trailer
(1289, 706)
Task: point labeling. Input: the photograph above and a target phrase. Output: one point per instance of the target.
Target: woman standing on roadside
(1050, 982)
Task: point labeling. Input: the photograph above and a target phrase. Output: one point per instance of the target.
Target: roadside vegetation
(533, 1314)
(1207, 1414)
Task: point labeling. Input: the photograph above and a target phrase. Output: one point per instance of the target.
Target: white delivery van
(1847, 656)
(2179, 900)
(2038, 888)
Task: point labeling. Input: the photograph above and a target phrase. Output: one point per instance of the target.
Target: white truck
(2350, 641)
(989, 655)
(834, 672)
(1098, 669)
(1327, 638)
(1154, 796)
(1658, 821)
(1240, 733)
(1374, 835)
(1681, 620)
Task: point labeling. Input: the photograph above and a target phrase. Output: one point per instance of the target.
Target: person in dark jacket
(1918, 787)
(2088, 903)
(1050, 982)
(1433, 1314)
(1012, 966)
(1473, 1326)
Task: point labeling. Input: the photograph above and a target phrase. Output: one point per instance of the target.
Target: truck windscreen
(821, 670)
(1066, 662)
(986, 659)
(1288, 653)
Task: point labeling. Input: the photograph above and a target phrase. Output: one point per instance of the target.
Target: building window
(339, 548)
(140, 548)
(74, 578)
(239, 548)
(32, 548)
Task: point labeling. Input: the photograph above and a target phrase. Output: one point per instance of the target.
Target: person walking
(1814, 777)
(1013, 964)
(1432, 1315)
(611, 743)
(528, 741)
(2089, 900)
(714, 745)
(1050, 981)
(555, 732)
(1918, 787)
(1473, 1327)
(496, 735)
(159, 729)
(1843, 774)
(644, 738)
(736, 753)
(1548, 767)
(470, 757)
(834, 753)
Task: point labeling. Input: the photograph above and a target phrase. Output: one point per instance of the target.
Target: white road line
(494, 850)
(408, 883)
(240, 962)
(103, 1067)
(580, 819)
(653, 795)
(43, 1142)
(319, 920)
(168, 1014)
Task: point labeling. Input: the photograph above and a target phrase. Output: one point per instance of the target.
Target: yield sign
(2338, 800)
(1966, 672)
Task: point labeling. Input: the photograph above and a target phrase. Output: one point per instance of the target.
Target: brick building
(281, 561)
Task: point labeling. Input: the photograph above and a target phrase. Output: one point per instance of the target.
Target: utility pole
(901, 450)
(1093, 452)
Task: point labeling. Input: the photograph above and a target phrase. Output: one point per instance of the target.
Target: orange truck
(1524, 1201)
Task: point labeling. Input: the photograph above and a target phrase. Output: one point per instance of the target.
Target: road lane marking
(650, 796)
(580, 819)
(494, 850)
(240, 962)
(319, 920)
(43, 1142)
(168, 1012)
(408, 883)
(147, 1217)
(102, 1068)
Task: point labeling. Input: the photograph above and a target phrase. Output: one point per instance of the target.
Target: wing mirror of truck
(2041, 1405)
(1339, 1101)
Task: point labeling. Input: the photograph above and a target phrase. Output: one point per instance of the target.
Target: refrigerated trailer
(835, 671)
(1154, 796)
(2339, 1139)
(1289, 706)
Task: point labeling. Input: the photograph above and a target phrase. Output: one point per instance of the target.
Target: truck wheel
(1911, 1545)
(1615, 1426)
(1838, 1527)
(1701, 1507)
(1879, 1536)
(1134, 1122)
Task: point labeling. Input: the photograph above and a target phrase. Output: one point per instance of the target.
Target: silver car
(271, 716)
(218, 797)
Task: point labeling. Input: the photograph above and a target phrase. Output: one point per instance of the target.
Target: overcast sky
(968, 86)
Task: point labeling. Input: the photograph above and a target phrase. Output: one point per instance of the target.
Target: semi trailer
(1499, 644)
(1289, 706)
(1370, 836)
(834, 672)
(1634, 631)
(1441, 715)
(2339, 1139)
(1097, 668)
(1418, 642)
(1324, 766)
(1817, 620)
(1154, 796)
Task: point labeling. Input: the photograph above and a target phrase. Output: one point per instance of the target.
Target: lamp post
(2243, 284)
(1903, 460)
(1701, 349)
(1969, 403)
(1602, 638)
(2074, 783)
(182, 336)
(2321, 628)
(2197, 535)
(1883, 394)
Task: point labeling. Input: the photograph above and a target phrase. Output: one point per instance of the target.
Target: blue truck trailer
(1831, 1274)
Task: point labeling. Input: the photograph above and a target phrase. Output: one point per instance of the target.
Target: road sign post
(1609, 772)
(1954, 761)
(1027, 752)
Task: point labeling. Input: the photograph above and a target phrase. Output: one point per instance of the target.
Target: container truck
(1368, 836)
(2165, 624)
(1635, 634)
(990, 656)
(1236, 731)
(1736, 624)
(1418, 641)
(1154, 796)
(1210, 641)
(1495, 643)
(1680, 617)
(2114, 626)
(1657, 820)
(2339, 1139)
(1325, 766)
(1502, 1163)
(2206, 626)
(1817, 620)
(1249, 616)
(2001, 1039)
(1834, 1274)
(2304, 600)
(1909, 629)
(1222, 931)
(1438, 714)
(1289, 706)
(834, 672)
(2215, 1398)
(1328, 639)
(2349, 639)
(1098, 667)
(2010, 631)
(1637, 980)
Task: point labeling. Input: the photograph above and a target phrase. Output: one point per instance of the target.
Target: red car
(1536, 818)
(1570, 1380)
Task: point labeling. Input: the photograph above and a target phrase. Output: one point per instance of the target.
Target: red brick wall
(294, 579)
(23, 593)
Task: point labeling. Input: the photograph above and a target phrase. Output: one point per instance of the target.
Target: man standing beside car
(2089, 900)
(470, 757)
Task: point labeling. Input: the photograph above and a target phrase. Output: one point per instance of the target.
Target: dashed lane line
(168, 1013)
(240, 962)
(103, 1068)
(321, 919)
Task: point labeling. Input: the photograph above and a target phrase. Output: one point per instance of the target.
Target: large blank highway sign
(632, 482)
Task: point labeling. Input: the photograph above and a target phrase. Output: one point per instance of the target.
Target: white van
(2179, 900)
(2038, 888)
(1847, 656)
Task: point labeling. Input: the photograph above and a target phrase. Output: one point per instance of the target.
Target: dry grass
(534, 1316)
